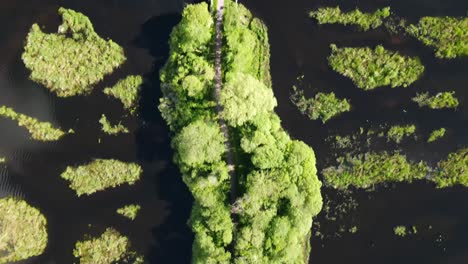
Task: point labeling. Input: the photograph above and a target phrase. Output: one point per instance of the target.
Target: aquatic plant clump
(23, 231)
(127, 91)
(371, 68)
(101, 174)
(366, 170)
(397, 133)
(438, 101)
(71, 61)
(365, 21)
(110, 129)
(436, 134)
(453, 170)
(447, 35)
(400, 231)
(323, 106)
(110, 247)
(129, 211)
(42, 131)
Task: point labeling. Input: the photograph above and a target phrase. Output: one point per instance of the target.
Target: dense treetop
(71, 61)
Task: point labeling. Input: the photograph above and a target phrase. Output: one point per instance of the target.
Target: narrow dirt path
(218, 86)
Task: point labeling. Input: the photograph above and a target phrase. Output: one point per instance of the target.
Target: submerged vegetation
(129, 211)
(110, 129)
(447, 35)
(365, 21)
(101, 174)
(71, 61)
(371, 68)
(127, 91)
(438, 101)
(110, 247)
(279, 193)
(397, 133)
(23, 231)
(323, 106)
(42, 131)
(436, 134)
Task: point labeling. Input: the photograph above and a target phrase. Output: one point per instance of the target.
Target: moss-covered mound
(101, 174)
(365, 21)
(23, 231)
(438, 101)
(127, 91)
(71, 61)
(371, 68)
(42, 131)
(447, 35)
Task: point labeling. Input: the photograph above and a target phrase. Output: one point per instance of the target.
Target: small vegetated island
(101, 174)
(71, 61)
(371, 68)
(447, 35)
(110, 129)
(438, 101)
(272, 178)
(23, 232)
(364, 21)
(129, 211)
(436, 134)
(397, 133)
(127, 90)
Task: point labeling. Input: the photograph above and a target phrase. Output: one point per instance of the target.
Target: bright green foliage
(365, 21)
(438, 101)
(2, 160)
(400, 231)
(397, 133)
(73, 60)
(323, 106)
(366, 170)
(110, 129)
(110, 247)
(370, 68)
(42, 131)
(453, 170)
(436, 134)
(101, 174)
(198, 143)
(130, 211)
(447, 35)
(23, 231)
(243, 97)
(126, 90)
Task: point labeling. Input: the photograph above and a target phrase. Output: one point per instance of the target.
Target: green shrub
(323, 106)
(127, 91)
(42, 131)
(447, 35)
(453, 170)
(397, 133)
(101, 174)
(365, 21)
(438, 101)
(73, 60)
(112, 129)
(129, 211)
(23, 231)
(370, 68)
(436, 134)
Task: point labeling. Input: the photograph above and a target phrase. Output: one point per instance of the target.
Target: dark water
(298, 46)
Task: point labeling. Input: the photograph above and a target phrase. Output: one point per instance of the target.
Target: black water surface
(300, 46)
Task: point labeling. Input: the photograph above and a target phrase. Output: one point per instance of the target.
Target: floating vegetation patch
(110, 247)
(447, 35)
(400, 231)
(397, 133)
(71, 61)
(436, 134)
(42, 131)
(323, 106)
(23, 231)
(2, 159)
(438, 101)
(365, 21)
(366, 170)
(129, 211)
(127, 91)
(453, 170)
(110, 129)
(370, 68)
(101, 174)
